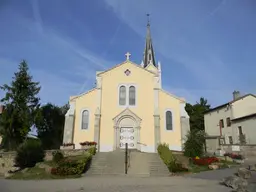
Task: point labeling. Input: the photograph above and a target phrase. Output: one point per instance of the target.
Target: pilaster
(184, 121)
(97, 130)
(98, 112)
(69, 124)
(156, 118)
(159, 74)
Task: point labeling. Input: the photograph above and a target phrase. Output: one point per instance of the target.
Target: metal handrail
(129, 158)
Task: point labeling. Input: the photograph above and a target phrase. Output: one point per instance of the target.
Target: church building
(128, 105)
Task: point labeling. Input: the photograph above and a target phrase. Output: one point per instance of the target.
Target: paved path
(218, 175)
(114, 184)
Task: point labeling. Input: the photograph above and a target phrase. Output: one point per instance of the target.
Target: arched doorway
(127, 133)
(127, 130)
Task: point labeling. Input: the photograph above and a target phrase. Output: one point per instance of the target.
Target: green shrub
(92, 150)
(57, 156)
(194, 144)
(167, 156)
(72, 166)
(29, 153)
(169, 159)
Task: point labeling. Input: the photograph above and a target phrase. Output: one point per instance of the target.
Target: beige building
(128, 105)
(231, 123)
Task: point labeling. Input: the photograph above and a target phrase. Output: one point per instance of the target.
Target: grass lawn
(197, 169)
(37, 173)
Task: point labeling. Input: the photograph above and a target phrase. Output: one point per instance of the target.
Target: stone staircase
(107, 163)
(147, 164)
(140, 164)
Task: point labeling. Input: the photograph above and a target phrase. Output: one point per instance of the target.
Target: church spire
(149, 56)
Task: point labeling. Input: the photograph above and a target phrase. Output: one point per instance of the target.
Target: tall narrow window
(168, 120)
(122, 95)
(228, 122)
(240, 131)
(132, 95)
(85, 119)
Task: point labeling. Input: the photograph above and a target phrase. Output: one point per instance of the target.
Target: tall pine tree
(21, 107)
(196, 114)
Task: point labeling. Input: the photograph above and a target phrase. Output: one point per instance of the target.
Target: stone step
(141, 164)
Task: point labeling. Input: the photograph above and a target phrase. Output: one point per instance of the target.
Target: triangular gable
(72, 98)
(116, 66)
(125, 113)
(242, 97)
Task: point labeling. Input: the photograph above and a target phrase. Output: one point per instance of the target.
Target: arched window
(122, 95)
(168, 119)
(85, 119)
(132, 95)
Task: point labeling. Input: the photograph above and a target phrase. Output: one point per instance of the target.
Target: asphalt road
(114, 184)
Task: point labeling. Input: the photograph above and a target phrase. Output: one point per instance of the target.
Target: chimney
(236, 95)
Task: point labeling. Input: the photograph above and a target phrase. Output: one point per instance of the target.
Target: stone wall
(6, 161)
(245, 150)
(7, 158)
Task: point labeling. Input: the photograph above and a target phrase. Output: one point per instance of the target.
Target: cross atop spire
(128, 56)
(149, 55)
(148, 19)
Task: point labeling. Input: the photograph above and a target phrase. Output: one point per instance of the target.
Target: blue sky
(206, 48)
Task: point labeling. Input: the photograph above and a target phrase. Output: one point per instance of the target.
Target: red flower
(88, 143)
(68, 144)
(54, 171)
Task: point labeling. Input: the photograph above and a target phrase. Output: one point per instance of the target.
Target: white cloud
(77, 65)
(168, 25)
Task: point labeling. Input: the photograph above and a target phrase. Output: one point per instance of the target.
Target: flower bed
(234, 156)
(205, 160)
(68, 146)
(88, 143)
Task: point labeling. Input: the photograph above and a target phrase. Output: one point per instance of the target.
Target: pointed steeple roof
(149, 55)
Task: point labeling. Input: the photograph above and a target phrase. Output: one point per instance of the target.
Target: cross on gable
(128, 55)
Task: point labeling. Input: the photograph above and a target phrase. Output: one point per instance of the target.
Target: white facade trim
(173, 123)
(81, 118)
(127, 86)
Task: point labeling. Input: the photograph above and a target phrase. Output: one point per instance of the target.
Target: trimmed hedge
(92, 150)
(29, 153)
(169, 159)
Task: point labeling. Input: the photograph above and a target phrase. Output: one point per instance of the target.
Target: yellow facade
(150, 101)
(128, 107)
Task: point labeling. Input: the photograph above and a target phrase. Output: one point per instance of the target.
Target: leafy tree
(50, 125)
(196, 113)
(21, 107)
(194, 145)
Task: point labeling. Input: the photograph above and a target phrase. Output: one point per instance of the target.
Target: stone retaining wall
(7, 158)
(245, 150)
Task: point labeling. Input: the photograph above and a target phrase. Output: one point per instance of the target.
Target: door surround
(119, 121)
